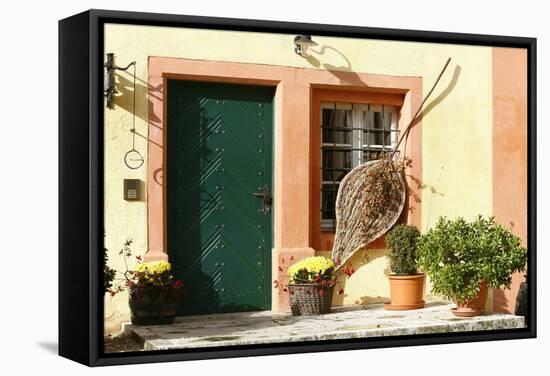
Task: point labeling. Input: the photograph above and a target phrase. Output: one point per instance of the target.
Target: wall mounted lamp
(109, 87)
(133, 158)
(302, 43)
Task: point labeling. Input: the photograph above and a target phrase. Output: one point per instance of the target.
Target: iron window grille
(351, 135)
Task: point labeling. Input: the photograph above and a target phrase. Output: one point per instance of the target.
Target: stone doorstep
(245, 328)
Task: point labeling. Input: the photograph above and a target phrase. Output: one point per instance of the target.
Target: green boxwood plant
(457, 255)
(401, 242)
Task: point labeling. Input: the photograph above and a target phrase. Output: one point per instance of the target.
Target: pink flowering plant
(318, 271)
(152, 274)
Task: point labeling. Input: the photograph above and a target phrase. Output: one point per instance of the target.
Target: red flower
(349, 271)
(177, 284)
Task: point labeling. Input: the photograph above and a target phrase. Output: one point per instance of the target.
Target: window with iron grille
(352, 134)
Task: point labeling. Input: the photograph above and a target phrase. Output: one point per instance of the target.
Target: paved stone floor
(342, 322)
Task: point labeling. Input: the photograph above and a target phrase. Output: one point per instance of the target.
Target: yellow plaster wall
(123, 219)
(456, 130)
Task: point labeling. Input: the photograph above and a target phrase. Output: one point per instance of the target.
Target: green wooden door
(219, 153)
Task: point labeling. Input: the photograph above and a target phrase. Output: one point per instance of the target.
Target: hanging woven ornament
(371, 197)
(366, 206)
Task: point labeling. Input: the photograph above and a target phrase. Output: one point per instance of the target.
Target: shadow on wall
(434, 102)
(124, 98)
(346, 75)
(504, 300)
(434, 192)
(450, 87)
(157, 175)
(416, 197)
(343, 72)
(359, 261)
(420, 185)
(373, 300)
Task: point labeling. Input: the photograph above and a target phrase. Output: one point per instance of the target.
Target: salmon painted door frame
(292, 163)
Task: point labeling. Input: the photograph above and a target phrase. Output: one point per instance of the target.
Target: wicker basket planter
(310, 299)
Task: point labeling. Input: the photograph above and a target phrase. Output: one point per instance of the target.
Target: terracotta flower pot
(474, 307)
(407, 292)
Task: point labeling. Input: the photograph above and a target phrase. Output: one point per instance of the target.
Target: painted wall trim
(510, 154)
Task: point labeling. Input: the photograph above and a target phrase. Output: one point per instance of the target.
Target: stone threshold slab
(246, 328)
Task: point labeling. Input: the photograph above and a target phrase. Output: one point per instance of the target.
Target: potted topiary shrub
(154, 293)
(311, 285)
(406, 284)
(463, 259)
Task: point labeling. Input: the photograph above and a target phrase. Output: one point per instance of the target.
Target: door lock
(265, 195)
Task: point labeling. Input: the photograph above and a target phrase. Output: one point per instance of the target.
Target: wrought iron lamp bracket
(109, 84)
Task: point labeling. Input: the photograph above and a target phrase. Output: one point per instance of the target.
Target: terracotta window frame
(321, 238)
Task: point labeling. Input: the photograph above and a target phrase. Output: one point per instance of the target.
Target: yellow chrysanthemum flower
(154, 267)
(317, 265)
(141, 268)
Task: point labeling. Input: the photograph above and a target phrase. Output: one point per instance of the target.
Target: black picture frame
(81, 185)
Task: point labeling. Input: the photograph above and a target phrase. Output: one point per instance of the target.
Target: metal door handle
(265, 195)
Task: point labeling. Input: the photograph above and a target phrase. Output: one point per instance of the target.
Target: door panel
(219, 145)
